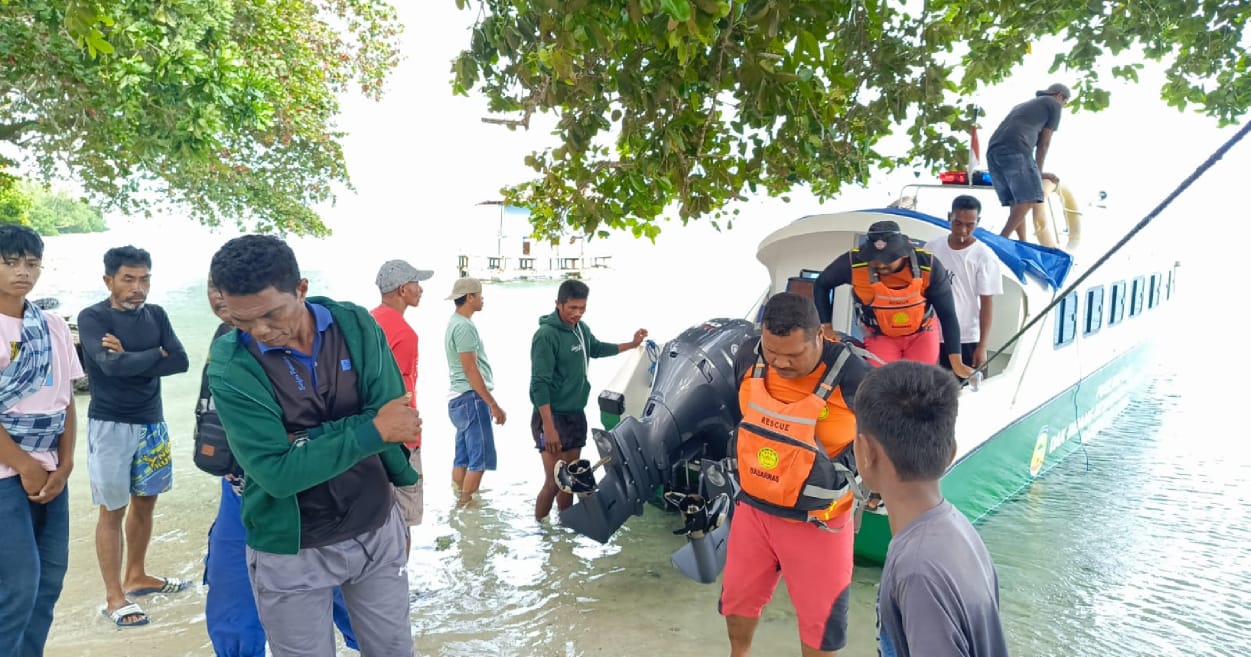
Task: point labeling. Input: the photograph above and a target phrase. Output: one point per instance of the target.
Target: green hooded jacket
(275, 469)
(558, 360)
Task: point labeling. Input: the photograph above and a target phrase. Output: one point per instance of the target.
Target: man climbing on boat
(795, 467)
(1026, 131)
(976, 278)
(898, 291)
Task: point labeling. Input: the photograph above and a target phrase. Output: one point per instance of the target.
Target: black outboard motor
(688, 420)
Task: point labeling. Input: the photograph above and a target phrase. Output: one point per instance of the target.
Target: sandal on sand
(170, 585)
(122, 612)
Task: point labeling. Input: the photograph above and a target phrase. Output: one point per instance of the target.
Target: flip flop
(131, 609)
(171, 585)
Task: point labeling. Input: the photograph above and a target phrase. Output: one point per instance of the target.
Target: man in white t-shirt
(976, 277)
(37, 427)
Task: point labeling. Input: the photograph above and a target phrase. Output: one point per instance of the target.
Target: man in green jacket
(559, 354)
(315, 412)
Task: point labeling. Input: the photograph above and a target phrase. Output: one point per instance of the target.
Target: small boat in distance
(667, 415)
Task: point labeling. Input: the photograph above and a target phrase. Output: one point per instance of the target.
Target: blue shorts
(475, 440)
(127, 459)
(1015, 176)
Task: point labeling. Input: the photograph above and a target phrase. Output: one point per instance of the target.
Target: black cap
(884, 242)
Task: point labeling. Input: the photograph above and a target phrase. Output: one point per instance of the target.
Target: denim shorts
(1015, 176)
(475, 439)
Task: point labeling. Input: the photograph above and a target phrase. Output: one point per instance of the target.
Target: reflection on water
(1136, 547)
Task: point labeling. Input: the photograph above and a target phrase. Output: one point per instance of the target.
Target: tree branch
(11, 131)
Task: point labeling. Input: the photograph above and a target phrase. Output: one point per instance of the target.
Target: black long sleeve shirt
(126, 386)
(937, 295)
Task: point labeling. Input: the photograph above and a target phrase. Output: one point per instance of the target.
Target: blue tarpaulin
(1051, 266)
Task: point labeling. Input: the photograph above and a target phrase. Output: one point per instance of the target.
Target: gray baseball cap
(395, 273)
(464, 286)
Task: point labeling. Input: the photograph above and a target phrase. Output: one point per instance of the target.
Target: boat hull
(1024, 449)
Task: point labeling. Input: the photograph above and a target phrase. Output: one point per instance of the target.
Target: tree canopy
(224, 109)
(700, 102)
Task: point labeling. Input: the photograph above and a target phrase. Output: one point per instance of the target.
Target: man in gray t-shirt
(1017, 151)
(939, 594)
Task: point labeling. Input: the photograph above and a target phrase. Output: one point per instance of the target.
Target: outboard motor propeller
(688, 418)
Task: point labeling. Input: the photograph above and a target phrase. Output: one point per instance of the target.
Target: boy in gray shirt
(939, 595)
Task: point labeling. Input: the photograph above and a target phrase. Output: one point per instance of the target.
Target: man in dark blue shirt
(1017, 151)
(128, 345)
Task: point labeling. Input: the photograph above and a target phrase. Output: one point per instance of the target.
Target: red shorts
(922, 346)
(815, 562)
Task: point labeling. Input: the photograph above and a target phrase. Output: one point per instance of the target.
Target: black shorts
(570, 426)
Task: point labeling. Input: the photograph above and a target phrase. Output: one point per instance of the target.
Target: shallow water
(1135, 546)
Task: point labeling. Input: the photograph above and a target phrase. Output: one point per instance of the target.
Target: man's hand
(34, 478)
(1052, 177)
(959, 368)
(979, 356)
(497, 413)
(639, 336)
(397, 421)
(52, 487)
(551, 439)
(164, 354)
(111, 343)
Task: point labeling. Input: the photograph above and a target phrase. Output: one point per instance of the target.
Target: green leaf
(680, 10)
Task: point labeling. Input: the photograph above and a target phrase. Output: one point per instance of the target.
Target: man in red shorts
(795, 465)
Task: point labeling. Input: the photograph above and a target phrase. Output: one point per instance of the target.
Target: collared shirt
(312, 389)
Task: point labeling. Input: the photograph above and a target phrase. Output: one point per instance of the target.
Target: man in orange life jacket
(792, 451)
(897, 290)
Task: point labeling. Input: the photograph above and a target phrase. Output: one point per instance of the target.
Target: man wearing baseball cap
(471, 406)
(1017, 150)
(898, 290)
(400, 286)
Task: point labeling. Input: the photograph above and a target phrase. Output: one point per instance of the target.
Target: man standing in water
(1017, 151)
(399, 283)
(472, 406)
(315, 410)
(128, 345)
(560, 352)
(37, 424)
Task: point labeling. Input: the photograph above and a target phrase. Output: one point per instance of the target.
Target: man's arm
(91, 332)
(835, 274)
(929, 612)
(55, 483)
(174, 359)
(258, 437)
(31, 472)
(542, 382)
(940, 297)
(1040, 151)
(984, 313)
(604, 349)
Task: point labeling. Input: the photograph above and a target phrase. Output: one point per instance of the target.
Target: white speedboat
(1054, 383)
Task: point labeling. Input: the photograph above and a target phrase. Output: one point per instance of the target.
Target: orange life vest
(889, 311)
(783, 468)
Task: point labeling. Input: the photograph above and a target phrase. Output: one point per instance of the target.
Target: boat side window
(1066, 320)
(1117, 306)
(1153, 292)
(1168, 289)
(1137, 295)
(1094, 311)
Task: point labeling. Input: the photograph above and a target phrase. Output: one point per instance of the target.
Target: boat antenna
(1185, 184)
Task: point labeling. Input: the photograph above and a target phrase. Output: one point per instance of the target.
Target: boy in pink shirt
(37, 426)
